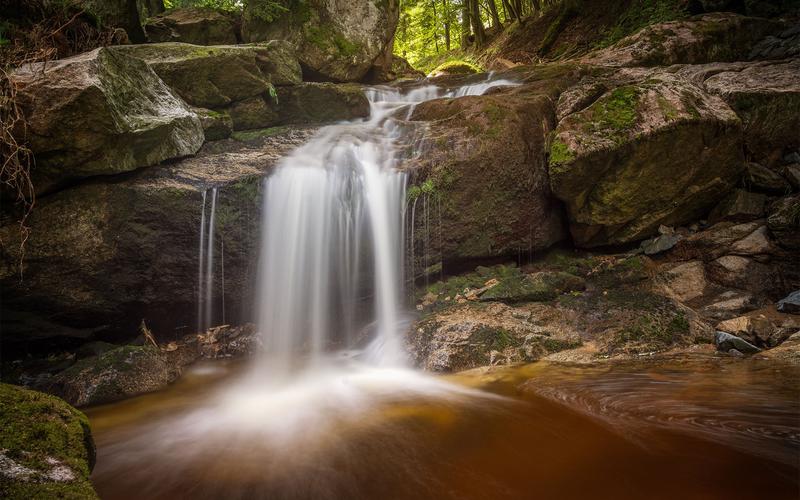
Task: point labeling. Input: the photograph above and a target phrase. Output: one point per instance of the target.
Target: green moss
(642, 13)
(618, 110)
(560, 154)
(494, 339)
(250, 135)
(38, 428)
(457, 67)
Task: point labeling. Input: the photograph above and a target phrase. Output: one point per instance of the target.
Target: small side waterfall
(205, 264)
(334, 216)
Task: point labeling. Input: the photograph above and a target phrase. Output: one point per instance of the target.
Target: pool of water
(702, 427)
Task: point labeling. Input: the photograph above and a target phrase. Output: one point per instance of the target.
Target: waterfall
(205, 265)
(333, 215)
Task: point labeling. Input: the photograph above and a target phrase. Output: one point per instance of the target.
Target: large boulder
(336, 41)
(46, 447)
(784, 222)
(616, 166)
(480, 178)
(104, 255)
(321, 102)
(700, 39)
(102, 112)
(125, 14)
(195, 25)
(766, 96)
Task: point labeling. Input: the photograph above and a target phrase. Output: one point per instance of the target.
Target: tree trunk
(446, 15)
(465, 22)
(477, 23)
(495, 17)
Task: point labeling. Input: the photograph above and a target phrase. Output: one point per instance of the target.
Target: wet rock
(195, 25)
(659, 244)
(46, 447)
(336, 41)
(597, 159)
(764, 180)
(739, 206)
(700, 39)
(135, 120)
(791, 303)
(725, 342)
(784, 222)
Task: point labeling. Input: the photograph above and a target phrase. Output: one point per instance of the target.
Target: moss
(642, 13)
(560, 154)
(618, 110)
(494, 339)
(457, 67)
(38, 428)
(251, 135)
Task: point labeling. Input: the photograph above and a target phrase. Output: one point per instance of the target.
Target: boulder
(736, 271)
(195, 25)
(615, 165)
(763, 180)
(321, 102)
(46, 447)
(765, 95)
(216, 124)
(113, 375)
(99, 113)
(700, 39)
(792, 174)
(726, 342)
(119, 14)
(481, 171)
(739, 206)
(790, 303)
(336, 41)
(784, 222)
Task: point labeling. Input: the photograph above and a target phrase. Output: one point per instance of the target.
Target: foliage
(643, 13)
(266, 10)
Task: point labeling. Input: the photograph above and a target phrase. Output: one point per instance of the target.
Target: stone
(739, 206)
(119, 14)
(659, 244)
(615, 167)
(538, 287)
(765, 96)
(217, 125)
(764, 180)
(725, 342)
(46, 447)
(792, 174)
(253, 113)
(195, 25)
(791, 303)
(741, 272)
(321, 102)
(756, 243)
(757, 330)
(719, 36)
(730, 304)
(134, 120)
(335, 41)
(686, 281)
(784, 221)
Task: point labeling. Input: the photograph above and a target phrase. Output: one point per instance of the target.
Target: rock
(741, 272)
(253, 112)
(764, 95)
(736, 353)
(757, 330)
(537, 287)
(717, 240)
(336, 41)
(481, 158)
(217, 125)
(214, 77)
(401, 68)
(700, 39)
(739, 206)
(321, 102)
(135, 120)
(730, 304)
(725, 342)
(784, 221)
(615, 166)
(790, 304)
(686, 281)
(195, 25)
(46, 447)
(101, 256)
(756, 243)
(471, 335)
(113, 375)
(119, 14)
(659, 244)
(764, 180)
(792, 174)
(783, 45)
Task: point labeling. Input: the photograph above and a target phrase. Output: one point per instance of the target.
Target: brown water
(702, 428)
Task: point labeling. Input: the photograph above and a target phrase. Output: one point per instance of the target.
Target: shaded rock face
(698, 40)
(480, 178)
(125, 14)
(195, 25)
(617, 167)
(784, 222)
(46, 447)
(104, 255)
(321, 102)
(99, 113)
(336, 40)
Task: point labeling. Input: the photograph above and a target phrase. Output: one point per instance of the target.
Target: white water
(205, 265)
(334, 217)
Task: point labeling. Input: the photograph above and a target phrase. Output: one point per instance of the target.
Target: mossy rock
(217, 125)
(195, 25)
(321, 102)
(456, 67)
(537, 287)
(46, 447)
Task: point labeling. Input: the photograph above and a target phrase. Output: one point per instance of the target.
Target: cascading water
(334, 214)
(205, 264)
